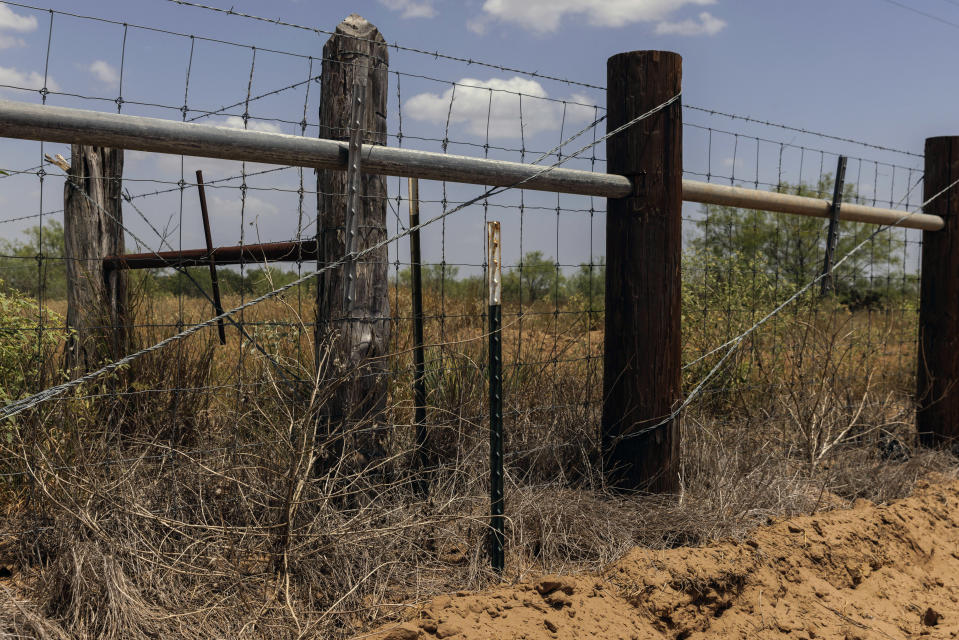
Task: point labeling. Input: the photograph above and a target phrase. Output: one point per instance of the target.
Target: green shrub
(722, 297)
(24, 346)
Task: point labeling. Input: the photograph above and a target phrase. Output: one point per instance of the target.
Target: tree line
(34, 273)
(535, 278)
(732, 246)
(787, 251)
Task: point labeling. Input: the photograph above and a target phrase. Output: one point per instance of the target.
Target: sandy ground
(864, 573)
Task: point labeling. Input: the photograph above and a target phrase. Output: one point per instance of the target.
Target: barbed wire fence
(204, 445)
(738, 257)
(445, 142)
(501, 106)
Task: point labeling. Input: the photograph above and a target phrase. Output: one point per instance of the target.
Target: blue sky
(862, 69)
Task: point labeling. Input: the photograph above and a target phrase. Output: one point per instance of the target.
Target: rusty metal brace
(214, 283)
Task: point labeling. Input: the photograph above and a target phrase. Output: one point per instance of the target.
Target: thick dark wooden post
(92, 229)
(938, 379)
(642, 365)
(355, 53)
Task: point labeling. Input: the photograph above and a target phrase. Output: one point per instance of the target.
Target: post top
(941, 147)
(357, 26)
(654, 55)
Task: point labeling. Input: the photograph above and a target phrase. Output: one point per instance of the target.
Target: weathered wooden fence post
(642, 357)
(356, 53)
(97, 310)
(938, 376)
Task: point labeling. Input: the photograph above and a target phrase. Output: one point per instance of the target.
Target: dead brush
(248, 539)
(88, 590)
(827, 387)
(263, 523)
(251, 542)
(19, 618)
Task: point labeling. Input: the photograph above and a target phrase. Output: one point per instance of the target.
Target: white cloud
(236, 122)
(476, 106)
(8, 42)
(228, 209)
(411, 8)
(136, 158)
(477, 25)
(168, 166)
(25, 79)
(708, 25)
(104, 72)
(16, 22)
(545, 16)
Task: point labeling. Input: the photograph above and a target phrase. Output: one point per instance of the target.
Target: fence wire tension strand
(593, 294)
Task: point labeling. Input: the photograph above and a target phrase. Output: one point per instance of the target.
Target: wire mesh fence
(739, 263)
(197, 446)
(510, 119)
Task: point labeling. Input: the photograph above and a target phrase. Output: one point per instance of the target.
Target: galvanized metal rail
(706, 193)
(62, 124)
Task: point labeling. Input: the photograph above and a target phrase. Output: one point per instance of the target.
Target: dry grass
(235, 511)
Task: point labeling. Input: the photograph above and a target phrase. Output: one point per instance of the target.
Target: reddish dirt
(869, 572)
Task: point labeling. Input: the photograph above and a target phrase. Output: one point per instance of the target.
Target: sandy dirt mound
(864, 573)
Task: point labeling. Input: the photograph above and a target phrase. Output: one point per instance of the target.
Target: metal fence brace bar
(832, 237)
(208, 235)
(64, 124)
(353, 181)
(80, 126)
(706, 193)
(497, 539)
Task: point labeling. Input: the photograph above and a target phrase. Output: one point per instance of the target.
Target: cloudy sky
(873, 70)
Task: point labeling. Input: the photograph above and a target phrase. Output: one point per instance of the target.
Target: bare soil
(863, 573)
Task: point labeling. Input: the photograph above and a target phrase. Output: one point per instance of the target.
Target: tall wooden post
(642, 359)
(938, 375)
(355, 54)
(92, 229)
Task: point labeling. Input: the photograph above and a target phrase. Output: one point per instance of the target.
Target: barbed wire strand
(738, 340)
(21, 405)
(821, 276)
(535, 74)
(394, 45)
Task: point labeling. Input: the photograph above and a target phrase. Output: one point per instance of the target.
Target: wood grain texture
(938, 375)
(642, 359)
(97, 307)
(356, 52)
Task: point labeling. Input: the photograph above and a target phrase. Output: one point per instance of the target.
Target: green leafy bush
(722, 297)
(24, 346)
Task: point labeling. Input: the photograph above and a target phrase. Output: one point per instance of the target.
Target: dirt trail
(869, 572)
